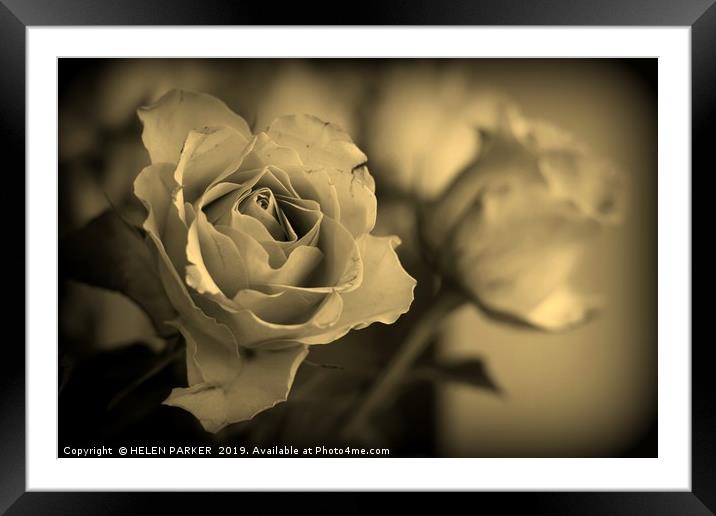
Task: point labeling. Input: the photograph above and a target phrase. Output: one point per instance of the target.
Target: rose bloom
(420, 129)
(510, 229)
(263, 246)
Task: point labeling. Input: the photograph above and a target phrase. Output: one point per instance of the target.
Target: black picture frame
(17, 15)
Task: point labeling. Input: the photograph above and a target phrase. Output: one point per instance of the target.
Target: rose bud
(510, 228)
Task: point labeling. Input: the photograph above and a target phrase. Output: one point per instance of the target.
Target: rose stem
(412, 347)
(172, 353)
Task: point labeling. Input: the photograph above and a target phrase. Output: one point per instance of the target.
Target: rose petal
(537, 134)
(205, 402)
(263, 381)
(572, 171)
(208, 360)
(155, 186)
(221, 198)
(191, 315)
(562, 309)
(310, 238)
(257, 155)
(342, 267)
(516, 246)
(168, 121)
(504, 162)
(246, 179)
(286, 307)
(161, 196)
(262, 205)
(257, 231)
(268, 152)
(341, 271)
(192, 319)
(277, 181)
(299, 265)
(348, 198)
(316, 184)
(215, 264)
(384, 295)
(594, 185)
(358, 205)
(314, 313)
(515, 282)
(221, 209)
(223, 195)
(206, 153)
(301, 215)
(319, 144)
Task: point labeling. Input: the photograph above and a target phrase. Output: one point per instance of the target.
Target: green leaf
(471, 372)
(111, 254)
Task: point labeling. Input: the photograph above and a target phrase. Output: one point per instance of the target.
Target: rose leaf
(111, 254)
(470, 372)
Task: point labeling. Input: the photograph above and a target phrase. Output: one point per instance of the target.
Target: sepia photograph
(357, 257)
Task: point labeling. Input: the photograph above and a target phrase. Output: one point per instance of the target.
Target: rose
(263, 246)
(509, 230)
(421, 128)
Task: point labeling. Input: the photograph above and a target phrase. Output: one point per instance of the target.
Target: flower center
(263, 200)
(261, 205)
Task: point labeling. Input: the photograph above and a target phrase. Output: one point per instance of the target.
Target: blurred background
(589, 391)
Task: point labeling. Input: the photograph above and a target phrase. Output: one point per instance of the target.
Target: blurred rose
(420, 132)
(330, 93)
(263, 245)
(128, 83)
(510, 228)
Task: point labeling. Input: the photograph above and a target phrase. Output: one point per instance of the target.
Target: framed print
(358, 258)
